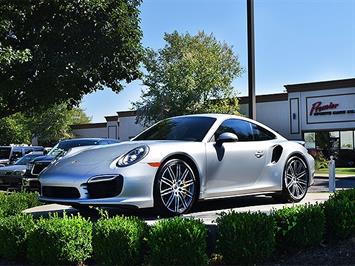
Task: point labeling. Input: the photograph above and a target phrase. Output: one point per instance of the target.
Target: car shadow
(202, 206)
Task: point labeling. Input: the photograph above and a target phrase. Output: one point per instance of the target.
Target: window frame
(251, 124)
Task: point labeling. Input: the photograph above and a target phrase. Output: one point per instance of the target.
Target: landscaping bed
(339, 253)
(303, 234)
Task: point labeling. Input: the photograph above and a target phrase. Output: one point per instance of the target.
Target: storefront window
(310, 140)
(346, 140)
(334, 141)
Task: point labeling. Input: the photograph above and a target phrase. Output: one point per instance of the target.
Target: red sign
(317, 107)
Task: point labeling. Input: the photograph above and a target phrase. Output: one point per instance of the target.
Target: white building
(321, 113)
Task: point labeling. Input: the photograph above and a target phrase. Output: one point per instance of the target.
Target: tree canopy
(191, 74)
(59, 50)
(48, 125)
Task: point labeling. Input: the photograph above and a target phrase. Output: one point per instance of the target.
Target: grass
(338, 170)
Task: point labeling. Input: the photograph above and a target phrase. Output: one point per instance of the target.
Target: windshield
(188, 128)
(25, 159)
(65, 145)
(5, 152)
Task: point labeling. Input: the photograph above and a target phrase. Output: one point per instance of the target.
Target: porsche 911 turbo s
(179, 161)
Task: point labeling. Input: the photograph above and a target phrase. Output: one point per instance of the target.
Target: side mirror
(226, 137)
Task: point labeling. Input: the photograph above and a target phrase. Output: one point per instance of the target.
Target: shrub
(119, 241)
(299, 226)
(14, 233)
(245, 238)
(14, 203)
(339, 213)
(57, 240)
(345, 194)
(320, 161)
(178, 241)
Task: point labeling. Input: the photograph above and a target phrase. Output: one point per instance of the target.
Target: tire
(295, 180)
(176, 188)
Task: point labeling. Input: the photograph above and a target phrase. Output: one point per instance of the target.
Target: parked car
(180, 160)
(35, 167)
(11, 175)
(9, 154)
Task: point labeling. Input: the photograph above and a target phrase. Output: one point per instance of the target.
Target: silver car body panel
(232, 169)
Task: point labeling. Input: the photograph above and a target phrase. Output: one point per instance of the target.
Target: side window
(241, 128)
(261, 133)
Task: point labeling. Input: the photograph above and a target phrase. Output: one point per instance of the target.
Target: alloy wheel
(177, 186)
(296, 178)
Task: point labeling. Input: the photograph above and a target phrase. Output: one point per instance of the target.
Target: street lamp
(251, 59)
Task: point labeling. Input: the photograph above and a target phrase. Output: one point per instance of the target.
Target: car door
(234, 167)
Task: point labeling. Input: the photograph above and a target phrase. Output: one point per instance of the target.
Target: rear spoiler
(301, 142)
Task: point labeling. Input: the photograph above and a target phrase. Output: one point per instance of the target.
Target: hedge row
(15, 203)
(243, 238)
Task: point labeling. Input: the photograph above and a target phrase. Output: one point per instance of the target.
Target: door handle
(259, 154)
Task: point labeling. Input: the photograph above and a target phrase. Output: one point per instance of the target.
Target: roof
(265, 98)
(126, 113)
(111, 118)
(89, 125)
(321, 85)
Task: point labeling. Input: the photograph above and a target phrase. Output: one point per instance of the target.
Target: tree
(54, 123)
(59, 50)
(48, 125)
(191, 74)
(14, 130)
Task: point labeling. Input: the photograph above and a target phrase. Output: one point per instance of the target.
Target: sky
(296, 41)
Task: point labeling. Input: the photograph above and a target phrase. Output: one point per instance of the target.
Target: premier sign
(317, 107)
(331, 108)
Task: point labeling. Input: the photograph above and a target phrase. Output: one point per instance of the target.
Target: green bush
(14, 233)
(345, 194)
(299, 226)
(57, 240)
(178, 241)
(14, 203)
(245, 238)
(119, 241)
(320, 161)
(339, 213)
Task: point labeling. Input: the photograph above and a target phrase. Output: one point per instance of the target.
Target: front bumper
(134, 189)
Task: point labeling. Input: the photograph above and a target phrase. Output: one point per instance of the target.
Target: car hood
(12, 168)
(100, 158)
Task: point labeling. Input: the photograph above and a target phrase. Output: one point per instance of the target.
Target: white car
(180, 160)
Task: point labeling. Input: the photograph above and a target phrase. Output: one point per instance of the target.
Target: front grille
(60, 192)
(105, 186)
(38, 167)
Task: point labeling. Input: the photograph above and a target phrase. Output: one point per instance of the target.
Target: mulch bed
(340, 253)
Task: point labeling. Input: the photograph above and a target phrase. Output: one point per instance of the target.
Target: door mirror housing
(226, 137)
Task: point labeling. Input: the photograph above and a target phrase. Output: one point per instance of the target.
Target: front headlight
(133, 156)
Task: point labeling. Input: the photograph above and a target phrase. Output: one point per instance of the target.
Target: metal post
(331, 168)
(251, 59)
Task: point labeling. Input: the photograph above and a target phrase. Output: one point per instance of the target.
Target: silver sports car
(180, 160)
